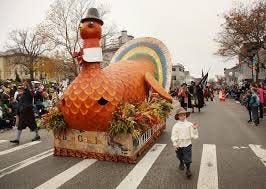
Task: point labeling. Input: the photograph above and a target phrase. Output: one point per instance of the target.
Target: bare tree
(27, 46)
(62, 23)
(53, 67)
(242, 33)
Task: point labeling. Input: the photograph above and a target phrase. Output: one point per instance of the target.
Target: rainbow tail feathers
(155, 51)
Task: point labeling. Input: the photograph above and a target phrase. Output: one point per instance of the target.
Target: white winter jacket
(182, 133)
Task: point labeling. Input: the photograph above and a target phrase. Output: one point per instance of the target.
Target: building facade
(188, 77)
(246, 69)
(46, 68)
(110, 47)
(178, 76)
(8, 70)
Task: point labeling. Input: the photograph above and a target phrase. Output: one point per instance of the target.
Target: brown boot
(188, 173)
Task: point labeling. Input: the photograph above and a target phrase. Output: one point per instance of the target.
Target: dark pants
(27, 119)
(2, 124)
(255, 114)
(184, 154)
(261, 110)
(249, 113)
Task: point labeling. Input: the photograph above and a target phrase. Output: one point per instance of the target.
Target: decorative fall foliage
(127, 119)
(135, 119)
(54, 121)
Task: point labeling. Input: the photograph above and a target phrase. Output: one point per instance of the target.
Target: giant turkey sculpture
(139, 66)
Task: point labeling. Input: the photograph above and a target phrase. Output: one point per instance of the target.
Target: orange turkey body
(89, 101)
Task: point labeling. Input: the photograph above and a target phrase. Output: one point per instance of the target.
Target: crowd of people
(15, 97)
(193, 96)
(252, 96)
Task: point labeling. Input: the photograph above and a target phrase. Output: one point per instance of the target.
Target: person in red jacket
(261, 94)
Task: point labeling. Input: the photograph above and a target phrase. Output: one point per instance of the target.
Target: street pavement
(229, 154)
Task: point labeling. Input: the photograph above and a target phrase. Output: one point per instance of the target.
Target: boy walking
(182, 133)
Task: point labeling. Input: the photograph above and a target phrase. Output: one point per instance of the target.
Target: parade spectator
(237, 93)
(247, 103)
(6, 88)
(13, 90)
(1, 116)
(25, 115)
(254, 104)
(182, 133)
(15, 99)
(4, 96)
(38, 100)
(222, 95)
(261, 95)
(50, 101)
(247, 85)
(8, 118)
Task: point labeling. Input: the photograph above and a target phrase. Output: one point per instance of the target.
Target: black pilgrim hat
(92, 14)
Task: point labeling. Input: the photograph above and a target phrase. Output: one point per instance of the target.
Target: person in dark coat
(248, 98)
(25, 114)
(200, 97)
(192, 92)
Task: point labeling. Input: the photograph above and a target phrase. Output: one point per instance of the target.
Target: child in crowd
(182, 133)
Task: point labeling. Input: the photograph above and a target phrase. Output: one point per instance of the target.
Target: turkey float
(88, 104)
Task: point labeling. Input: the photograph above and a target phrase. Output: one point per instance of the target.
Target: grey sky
(187, 27)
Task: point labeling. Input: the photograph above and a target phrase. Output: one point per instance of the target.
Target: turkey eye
(90, 24)
(102, 101)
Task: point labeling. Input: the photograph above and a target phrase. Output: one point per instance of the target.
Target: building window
(173, 69)
(173, 77)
